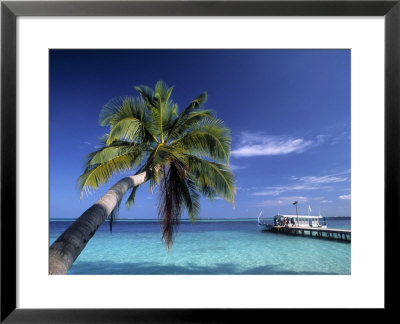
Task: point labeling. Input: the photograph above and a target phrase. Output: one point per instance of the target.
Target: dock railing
(328, 233)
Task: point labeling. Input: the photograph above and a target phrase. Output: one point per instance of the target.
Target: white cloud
(267, 193)
(341, 137)
(275, 191)
(302, 184)
(325, 201)
(85, 144)
(319, 180)
(246, 188)
(282, 201)
(258, 144)
(345, 197)
(287, 202)
(235, 167)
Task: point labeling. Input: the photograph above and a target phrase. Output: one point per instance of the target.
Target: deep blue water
(207, 247)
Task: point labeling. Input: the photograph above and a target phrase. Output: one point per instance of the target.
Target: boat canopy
(300, 216)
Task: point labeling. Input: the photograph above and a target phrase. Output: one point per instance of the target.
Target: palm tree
(185, 155)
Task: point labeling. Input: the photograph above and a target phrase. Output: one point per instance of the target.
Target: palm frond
(104, 154)
(116, 109)
(212, 179)
(191, 198)
(173, 113)
(147, 95)
(170, 202)
(161, 156)
(209, 139)
(194, 105)
(128, 128)
(126, 116)
(192, 120)
(162, 91)
(98, 174)
(131, 199)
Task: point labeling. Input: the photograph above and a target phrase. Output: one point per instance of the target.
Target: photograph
(199, 161)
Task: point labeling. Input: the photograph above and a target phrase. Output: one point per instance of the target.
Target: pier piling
(328, 233)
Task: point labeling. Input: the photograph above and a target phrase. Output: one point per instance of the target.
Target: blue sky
(288, 110)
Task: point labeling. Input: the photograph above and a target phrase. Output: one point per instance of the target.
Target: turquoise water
(207, 247)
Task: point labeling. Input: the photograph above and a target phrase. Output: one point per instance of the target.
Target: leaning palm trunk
(64, 251)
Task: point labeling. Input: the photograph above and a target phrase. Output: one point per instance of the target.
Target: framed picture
(324, 142)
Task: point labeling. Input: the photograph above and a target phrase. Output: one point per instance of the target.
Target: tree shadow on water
(150, 268)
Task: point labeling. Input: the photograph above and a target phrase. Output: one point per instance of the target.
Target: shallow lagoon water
(207, 247)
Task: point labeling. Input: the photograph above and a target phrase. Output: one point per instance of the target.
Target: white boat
(292, 221)
(263, 225)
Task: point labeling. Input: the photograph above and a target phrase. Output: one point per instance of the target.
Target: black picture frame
(10, 10)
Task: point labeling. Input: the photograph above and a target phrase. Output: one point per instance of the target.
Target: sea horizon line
(184, 219)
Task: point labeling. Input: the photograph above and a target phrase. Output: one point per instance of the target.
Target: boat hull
(265, 227)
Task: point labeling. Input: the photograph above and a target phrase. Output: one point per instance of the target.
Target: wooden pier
(327, 233)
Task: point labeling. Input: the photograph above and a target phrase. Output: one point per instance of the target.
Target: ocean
(207, 247)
